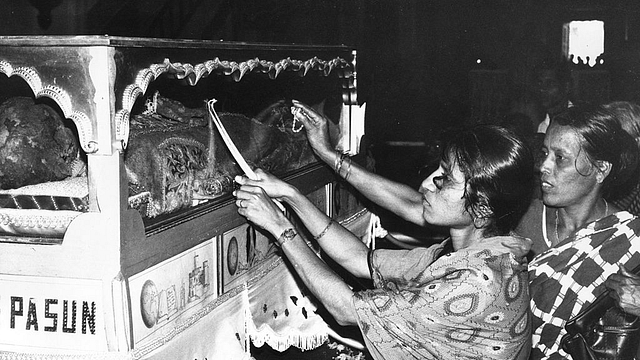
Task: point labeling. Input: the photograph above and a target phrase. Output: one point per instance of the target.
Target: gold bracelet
(323, 232)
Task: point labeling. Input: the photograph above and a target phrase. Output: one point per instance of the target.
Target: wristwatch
(286, 235)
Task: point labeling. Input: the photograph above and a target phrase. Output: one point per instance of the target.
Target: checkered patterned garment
(567, 278)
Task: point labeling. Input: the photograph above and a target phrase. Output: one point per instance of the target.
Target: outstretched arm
(398, 198)
(326, 285)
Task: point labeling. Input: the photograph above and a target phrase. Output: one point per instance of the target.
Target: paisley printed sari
(468, 304)
(568, 277)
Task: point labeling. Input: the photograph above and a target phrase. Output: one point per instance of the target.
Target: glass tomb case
(119, 235)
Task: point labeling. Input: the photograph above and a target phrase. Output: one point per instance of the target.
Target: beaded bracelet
(323, 232)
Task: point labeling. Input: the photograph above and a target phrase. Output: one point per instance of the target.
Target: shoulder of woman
(398, 258)
(619, 219)
(514, 244)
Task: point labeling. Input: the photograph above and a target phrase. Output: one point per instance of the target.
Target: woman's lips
(425, 201)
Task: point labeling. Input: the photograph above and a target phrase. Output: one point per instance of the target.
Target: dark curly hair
(499, 171)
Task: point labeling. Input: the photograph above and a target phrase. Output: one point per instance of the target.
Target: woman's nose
(427, 184)
(545, 165)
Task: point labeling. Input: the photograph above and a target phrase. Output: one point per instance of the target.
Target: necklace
(606, 211)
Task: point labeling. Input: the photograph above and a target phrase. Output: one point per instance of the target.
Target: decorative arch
(60, 96)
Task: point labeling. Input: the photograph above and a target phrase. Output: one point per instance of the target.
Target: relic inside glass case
(177, 158)
(174, 158)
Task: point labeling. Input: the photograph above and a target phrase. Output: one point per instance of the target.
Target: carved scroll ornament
(193, 73)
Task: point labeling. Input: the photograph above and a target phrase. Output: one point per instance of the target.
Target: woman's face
(551, 91)
(442, 197)
(566, 173)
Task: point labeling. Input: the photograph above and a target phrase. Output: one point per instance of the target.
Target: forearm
(396, 197)
(325, 284)
(337, 242)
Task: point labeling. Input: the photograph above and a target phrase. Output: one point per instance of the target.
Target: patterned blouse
(568, 277)
(468, 304)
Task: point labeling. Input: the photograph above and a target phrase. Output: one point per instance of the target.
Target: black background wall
(414, 56)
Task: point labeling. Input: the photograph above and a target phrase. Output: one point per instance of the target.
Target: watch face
(289, 234)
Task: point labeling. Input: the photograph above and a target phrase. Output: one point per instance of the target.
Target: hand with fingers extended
(254, 204)
(317, 127)
(625, 288)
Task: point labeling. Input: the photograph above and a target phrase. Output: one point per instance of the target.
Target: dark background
(417, 67)
(414, 56)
